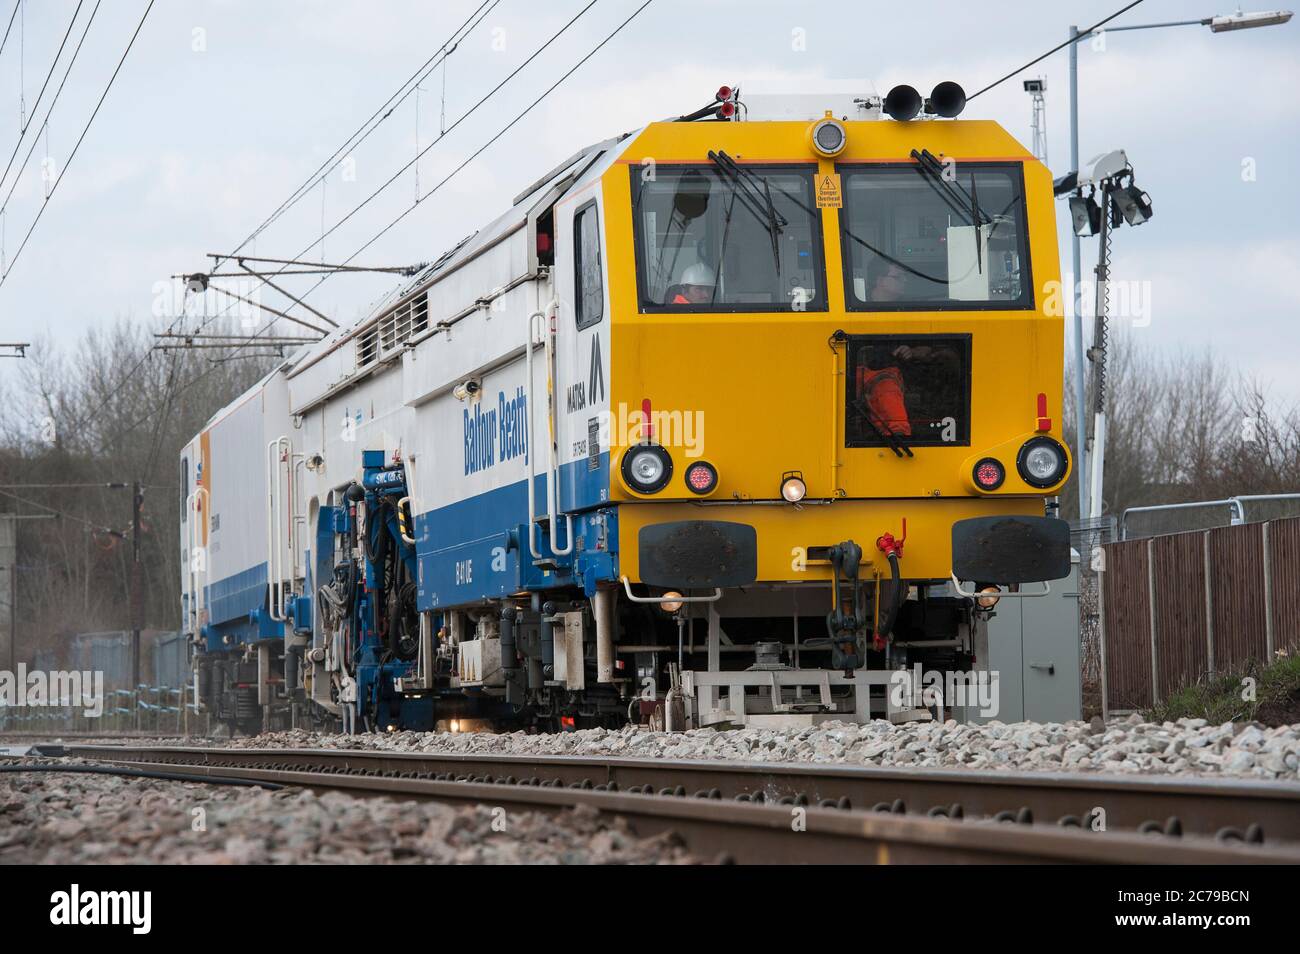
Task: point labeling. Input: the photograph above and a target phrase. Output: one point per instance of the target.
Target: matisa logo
(76, 907)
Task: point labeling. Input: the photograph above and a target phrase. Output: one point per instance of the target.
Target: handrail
(270, 525)
(837, 393)
(275, 527)
(197, 602)
(627, 586)
(1236, 504)
(401, 520)
(553, 466)
(531, 453)
(1047, 588)
(297, 498)
(1241, 511)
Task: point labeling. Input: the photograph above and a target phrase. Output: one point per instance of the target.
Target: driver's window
(589, 278)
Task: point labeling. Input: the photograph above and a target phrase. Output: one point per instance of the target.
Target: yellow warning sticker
(828, 191)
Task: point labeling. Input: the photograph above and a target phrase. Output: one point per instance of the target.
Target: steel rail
(1228, 809)
(751, 833)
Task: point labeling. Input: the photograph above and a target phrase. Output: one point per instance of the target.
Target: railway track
(16, 738)
(753, 812)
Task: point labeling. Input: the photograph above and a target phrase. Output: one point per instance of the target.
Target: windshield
(942, 237)
(728, 237)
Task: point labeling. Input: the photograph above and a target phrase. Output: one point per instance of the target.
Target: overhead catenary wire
(12, 16)
(1059, 46)
(22, 64)
(377, 117)
(80, 139)
(101, 528)
(474, 155)
(102, 485)
(48, 112)
(383, 112)
(528, 109)
(22, 133)
(252, 340)
(160, 428)
(4, 273)
(464, 116)
(419, 154)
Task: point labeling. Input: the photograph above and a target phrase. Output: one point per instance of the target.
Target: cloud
(194, 150)
(1235, 300)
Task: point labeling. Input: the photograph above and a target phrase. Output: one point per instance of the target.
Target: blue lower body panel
(477, 548)
(237, 611)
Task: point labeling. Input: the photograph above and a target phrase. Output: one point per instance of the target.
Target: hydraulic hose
(896, 593)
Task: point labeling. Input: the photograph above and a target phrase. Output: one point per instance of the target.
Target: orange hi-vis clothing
(882, 391)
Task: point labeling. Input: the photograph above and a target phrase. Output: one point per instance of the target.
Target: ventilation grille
(392, 330)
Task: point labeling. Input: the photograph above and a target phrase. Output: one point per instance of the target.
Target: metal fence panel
(1140, 523)
(1182, 654)
(170, 660)
(1248, 609)
(1127, 610)
(1284, 557)
(109, 653)
(1237, 595)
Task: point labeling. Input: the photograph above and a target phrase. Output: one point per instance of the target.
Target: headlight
(647, 468)
(1041, 462)
(701, 478)
(793, 489)
(828, 137)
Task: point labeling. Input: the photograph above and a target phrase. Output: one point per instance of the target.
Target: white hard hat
(697, 274)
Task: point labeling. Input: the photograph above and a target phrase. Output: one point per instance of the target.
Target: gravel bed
(1129, 746)
(48, 818)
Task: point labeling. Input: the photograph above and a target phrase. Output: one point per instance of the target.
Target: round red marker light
(989, 474)
(701, 477)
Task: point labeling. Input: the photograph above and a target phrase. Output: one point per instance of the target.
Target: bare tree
(107, 411)
(1183, 427)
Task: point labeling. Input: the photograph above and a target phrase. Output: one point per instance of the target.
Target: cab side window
(589, 279)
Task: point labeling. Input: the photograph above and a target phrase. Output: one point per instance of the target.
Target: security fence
(155, 710)
(1160, 519)
(164, 705)
(1179, 606)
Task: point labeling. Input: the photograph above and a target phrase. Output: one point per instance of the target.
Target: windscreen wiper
(739, 187)
(758, 200)
(892, 440)
(961, 202)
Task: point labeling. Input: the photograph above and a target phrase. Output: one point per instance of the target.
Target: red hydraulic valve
(890, 545)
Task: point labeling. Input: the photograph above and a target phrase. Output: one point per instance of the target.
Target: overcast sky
(225, 106)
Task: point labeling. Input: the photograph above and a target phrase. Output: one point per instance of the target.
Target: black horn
(902, 103)
(948, 100)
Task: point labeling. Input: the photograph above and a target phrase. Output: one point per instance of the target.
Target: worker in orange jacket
(695, 287)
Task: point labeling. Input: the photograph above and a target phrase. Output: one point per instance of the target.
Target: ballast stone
(1188, 746)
